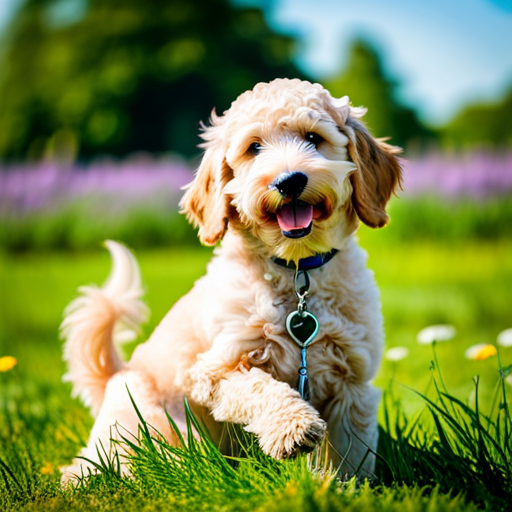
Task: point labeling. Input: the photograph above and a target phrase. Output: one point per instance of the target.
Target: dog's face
(293, 168)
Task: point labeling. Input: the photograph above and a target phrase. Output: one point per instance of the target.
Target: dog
(287, 174)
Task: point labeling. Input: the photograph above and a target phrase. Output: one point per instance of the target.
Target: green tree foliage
(482, 125)
(116, 76)
(366, 84)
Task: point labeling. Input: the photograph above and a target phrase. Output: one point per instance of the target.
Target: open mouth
(295, 219)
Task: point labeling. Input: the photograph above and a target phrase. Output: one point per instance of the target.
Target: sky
(445, 53)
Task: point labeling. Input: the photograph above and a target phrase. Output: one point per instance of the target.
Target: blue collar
(310, 263)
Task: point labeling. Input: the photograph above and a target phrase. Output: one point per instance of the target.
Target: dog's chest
(329, 357)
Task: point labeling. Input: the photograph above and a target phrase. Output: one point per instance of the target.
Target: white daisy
(396, 353)
(433, 333)
(505, 338)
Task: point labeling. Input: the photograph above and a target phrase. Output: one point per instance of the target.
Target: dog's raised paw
(312, 438)
(290, 434)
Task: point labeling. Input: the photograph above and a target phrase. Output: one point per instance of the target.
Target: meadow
(444, 259)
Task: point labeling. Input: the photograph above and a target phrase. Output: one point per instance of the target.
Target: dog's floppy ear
(204, 202)
(377, 176)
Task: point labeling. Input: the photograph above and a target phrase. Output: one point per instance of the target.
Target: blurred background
(100, 106)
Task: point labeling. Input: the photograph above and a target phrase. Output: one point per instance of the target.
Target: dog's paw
(290, 431)
(72, 475)
(81, 469)
(200, 384)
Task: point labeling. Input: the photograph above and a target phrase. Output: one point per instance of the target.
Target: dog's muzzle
(295, 217)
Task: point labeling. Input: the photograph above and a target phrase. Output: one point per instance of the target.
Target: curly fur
(224, 345)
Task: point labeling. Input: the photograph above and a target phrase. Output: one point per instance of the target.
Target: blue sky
(446, 53)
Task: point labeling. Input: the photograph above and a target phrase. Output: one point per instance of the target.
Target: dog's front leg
(353, 431)
(282, 421)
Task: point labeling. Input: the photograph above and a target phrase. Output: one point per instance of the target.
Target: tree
(481, 125)
(366, 84)
(126, 75)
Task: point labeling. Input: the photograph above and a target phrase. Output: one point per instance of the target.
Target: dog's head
(292, 167)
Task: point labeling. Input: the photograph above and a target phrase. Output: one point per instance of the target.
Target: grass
(462, 449)
(466, 284)
(430, 462)
(76, 225)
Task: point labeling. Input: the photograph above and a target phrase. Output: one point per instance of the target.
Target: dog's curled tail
(97, 319)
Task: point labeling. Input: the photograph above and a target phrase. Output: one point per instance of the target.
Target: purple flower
(112, 186)
(474, 175)
(47, 187)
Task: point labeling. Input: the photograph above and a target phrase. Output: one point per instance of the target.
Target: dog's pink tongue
(295, 216)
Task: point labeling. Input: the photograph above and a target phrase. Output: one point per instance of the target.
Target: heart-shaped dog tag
(302, 327)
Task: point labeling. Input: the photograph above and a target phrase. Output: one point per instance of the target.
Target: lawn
(465, 283)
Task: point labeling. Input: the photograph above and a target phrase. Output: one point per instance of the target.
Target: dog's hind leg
(118, 419)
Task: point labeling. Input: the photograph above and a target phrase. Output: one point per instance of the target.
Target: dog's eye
(314, 138)
(254, 148)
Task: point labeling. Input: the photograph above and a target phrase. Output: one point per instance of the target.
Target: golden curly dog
(287, 174)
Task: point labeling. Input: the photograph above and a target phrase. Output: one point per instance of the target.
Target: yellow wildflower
(291, 489)
(7, 363)
(47, 469)
(481, 351)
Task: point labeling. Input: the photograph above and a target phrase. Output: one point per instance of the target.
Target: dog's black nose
(290, 184)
